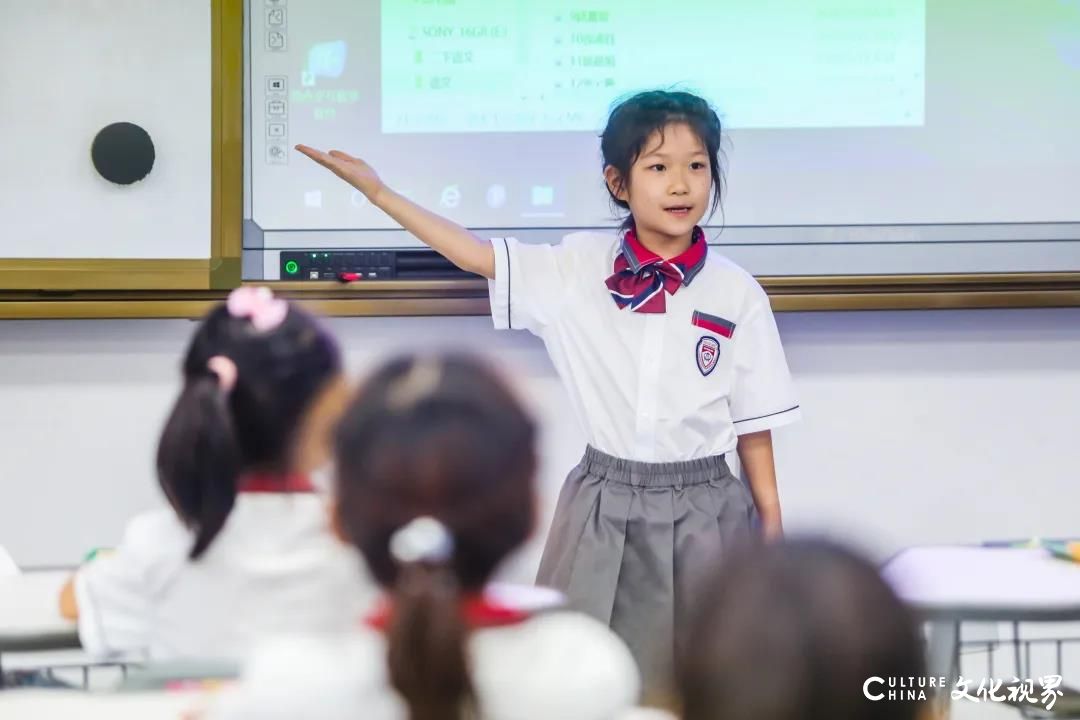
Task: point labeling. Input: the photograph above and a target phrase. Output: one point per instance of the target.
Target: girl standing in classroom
(672, 360)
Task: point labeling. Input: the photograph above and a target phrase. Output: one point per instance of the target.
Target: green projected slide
(556, 65)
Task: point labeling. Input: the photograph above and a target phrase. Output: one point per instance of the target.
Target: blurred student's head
(792, 631)
(435, 463)
(253, 368)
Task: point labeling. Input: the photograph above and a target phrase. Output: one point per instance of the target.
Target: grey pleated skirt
(631, 541)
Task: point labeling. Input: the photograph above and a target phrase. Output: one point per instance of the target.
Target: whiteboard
(945, 150)
(67, 69)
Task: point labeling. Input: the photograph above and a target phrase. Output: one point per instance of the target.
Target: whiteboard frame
(221, 269)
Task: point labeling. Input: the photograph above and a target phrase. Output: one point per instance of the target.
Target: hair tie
(259, 305)
(424, 539)
(226, 372)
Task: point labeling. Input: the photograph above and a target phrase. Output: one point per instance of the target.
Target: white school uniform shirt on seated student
(274, 567)
(546, 665)
(652, 387)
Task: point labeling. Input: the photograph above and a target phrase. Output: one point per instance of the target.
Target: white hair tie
(424, 539)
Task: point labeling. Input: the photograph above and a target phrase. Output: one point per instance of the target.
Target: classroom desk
(948, 585)
(30, 615)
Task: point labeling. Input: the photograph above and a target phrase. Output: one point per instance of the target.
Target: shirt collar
(477, 611)
(274, 483)
(690, 261)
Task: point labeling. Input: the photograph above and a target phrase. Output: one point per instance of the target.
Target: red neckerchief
(642, 278)
(268, 483)
(477, 610)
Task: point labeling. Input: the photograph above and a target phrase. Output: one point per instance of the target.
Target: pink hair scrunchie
(259, 305)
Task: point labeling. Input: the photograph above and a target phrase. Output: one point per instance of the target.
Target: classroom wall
(920, 427)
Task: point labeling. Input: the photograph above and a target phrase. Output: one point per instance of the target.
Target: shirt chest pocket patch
(707, 351)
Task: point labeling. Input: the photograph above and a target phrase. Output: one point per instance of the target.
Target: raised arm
(455, 243)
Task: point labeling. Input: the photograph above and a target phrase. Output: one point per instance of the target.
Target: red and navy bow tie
(642, 278)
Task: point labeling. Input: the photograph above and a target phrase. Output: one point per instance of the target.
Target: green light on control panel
(292, 267)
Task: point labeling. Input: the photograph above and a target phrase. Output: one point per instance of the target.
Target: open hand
(351, 169)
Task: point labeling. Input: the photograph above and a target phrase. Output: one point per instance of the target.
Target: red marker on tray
(348, 277)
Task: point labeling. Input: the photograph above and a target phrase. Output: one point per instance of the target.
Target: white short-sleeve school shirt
(274, 567)
(653, 387)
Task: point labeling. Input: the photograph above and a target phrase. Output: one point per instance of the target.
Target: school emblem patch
(708, 352)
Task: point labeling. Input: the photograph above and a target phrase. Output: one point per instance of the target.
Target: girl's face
(668, 188)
